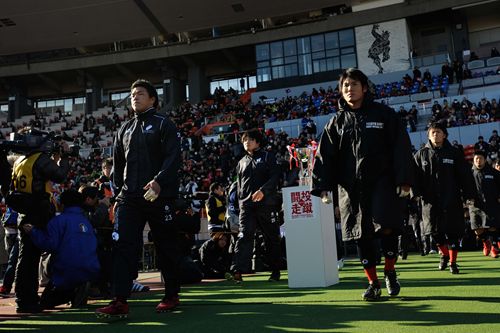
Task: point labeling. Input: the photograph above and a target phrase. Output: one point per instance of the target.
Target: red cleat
(168, 304)
(486, 247)
(494, 252)
(115, 309)
(4, 292)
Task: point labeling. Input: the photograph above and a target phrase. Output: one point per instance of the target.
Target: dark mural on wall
(380, 46)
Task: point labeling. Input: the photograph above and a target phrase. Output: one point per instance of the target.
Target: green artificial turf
(430, 301)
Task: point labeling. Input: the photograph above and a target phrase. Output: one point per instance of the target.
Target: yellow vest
(22, 174)
(219, 204)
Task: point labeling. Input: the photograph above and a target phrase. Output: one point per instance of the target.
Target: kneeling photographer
(43, 161)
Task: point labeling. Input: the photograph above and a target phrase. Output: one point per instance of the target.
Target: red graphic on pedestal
(301, 204)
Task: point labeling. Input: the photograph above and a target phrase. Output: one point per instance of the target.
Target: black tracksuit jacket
(444, 182)
(257, 172)
(364, 154)
(487, 182)
(147, 147)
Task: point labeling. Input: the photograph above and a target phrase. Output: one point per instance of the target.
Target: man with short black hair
(443, 183)
(146, 160)
(258, 180)
(104, 182)
(481, 144)
(485, 213)
(364, 155)
(216, 208)
(70, 239)
(32, 174)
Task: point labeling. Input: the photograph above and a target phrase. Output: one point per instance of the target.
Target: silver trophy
(305, 161)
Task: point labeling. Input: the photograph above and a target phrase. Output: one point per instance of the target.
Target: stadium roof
(34, 25)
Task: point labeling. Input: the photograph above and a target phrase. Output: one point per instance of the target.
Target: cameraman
(30, 196)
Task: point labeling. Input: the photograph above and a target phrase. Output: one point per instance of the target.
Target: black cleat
(372, 293)
(235, 277)
(443, 263)
(35, 308)
(275, 276)
(454, 268)
(392, 283)
(81, 296)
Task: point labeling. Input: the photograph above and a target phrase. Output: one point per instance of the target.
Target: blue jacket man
(71, 241)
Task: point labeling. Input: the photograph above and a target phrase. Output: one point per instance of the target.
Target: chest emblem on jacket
(448, 161)
(488, 177)
(148, 129)
(374, 124)
(83, 228)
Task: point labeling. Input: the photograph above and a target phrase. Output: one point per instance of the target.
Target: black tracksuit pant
(26, 279)
(130, 217)
(251, 217)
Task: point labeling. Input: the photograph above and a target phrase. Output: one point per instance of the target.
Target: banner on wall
(383, 47)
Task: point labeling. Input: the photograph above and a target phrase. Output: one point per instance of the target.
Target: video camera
(37, 140)
(185, 199)
(188, 221)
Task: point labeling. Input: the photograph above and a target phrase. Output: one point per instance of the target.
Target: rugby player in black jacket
(146, 159)
(365, 154)
(485, 213)
(443, 183)
(258, 180)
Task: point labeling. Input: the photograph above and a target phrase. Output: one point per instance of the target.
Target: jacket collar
(146, 113)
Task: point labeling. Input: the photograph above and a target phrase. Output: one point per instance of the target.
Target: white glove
(401, 192)
(325, 198)
(150, 195)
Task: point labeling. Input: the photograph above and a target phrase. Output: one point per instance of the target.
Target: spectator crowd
(205, 163)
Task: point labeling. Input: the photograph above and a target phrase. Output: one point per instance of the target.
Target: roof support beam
(151, 17)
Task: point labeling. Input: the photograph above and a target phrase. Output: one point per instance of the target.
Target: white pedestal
(310, 239)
